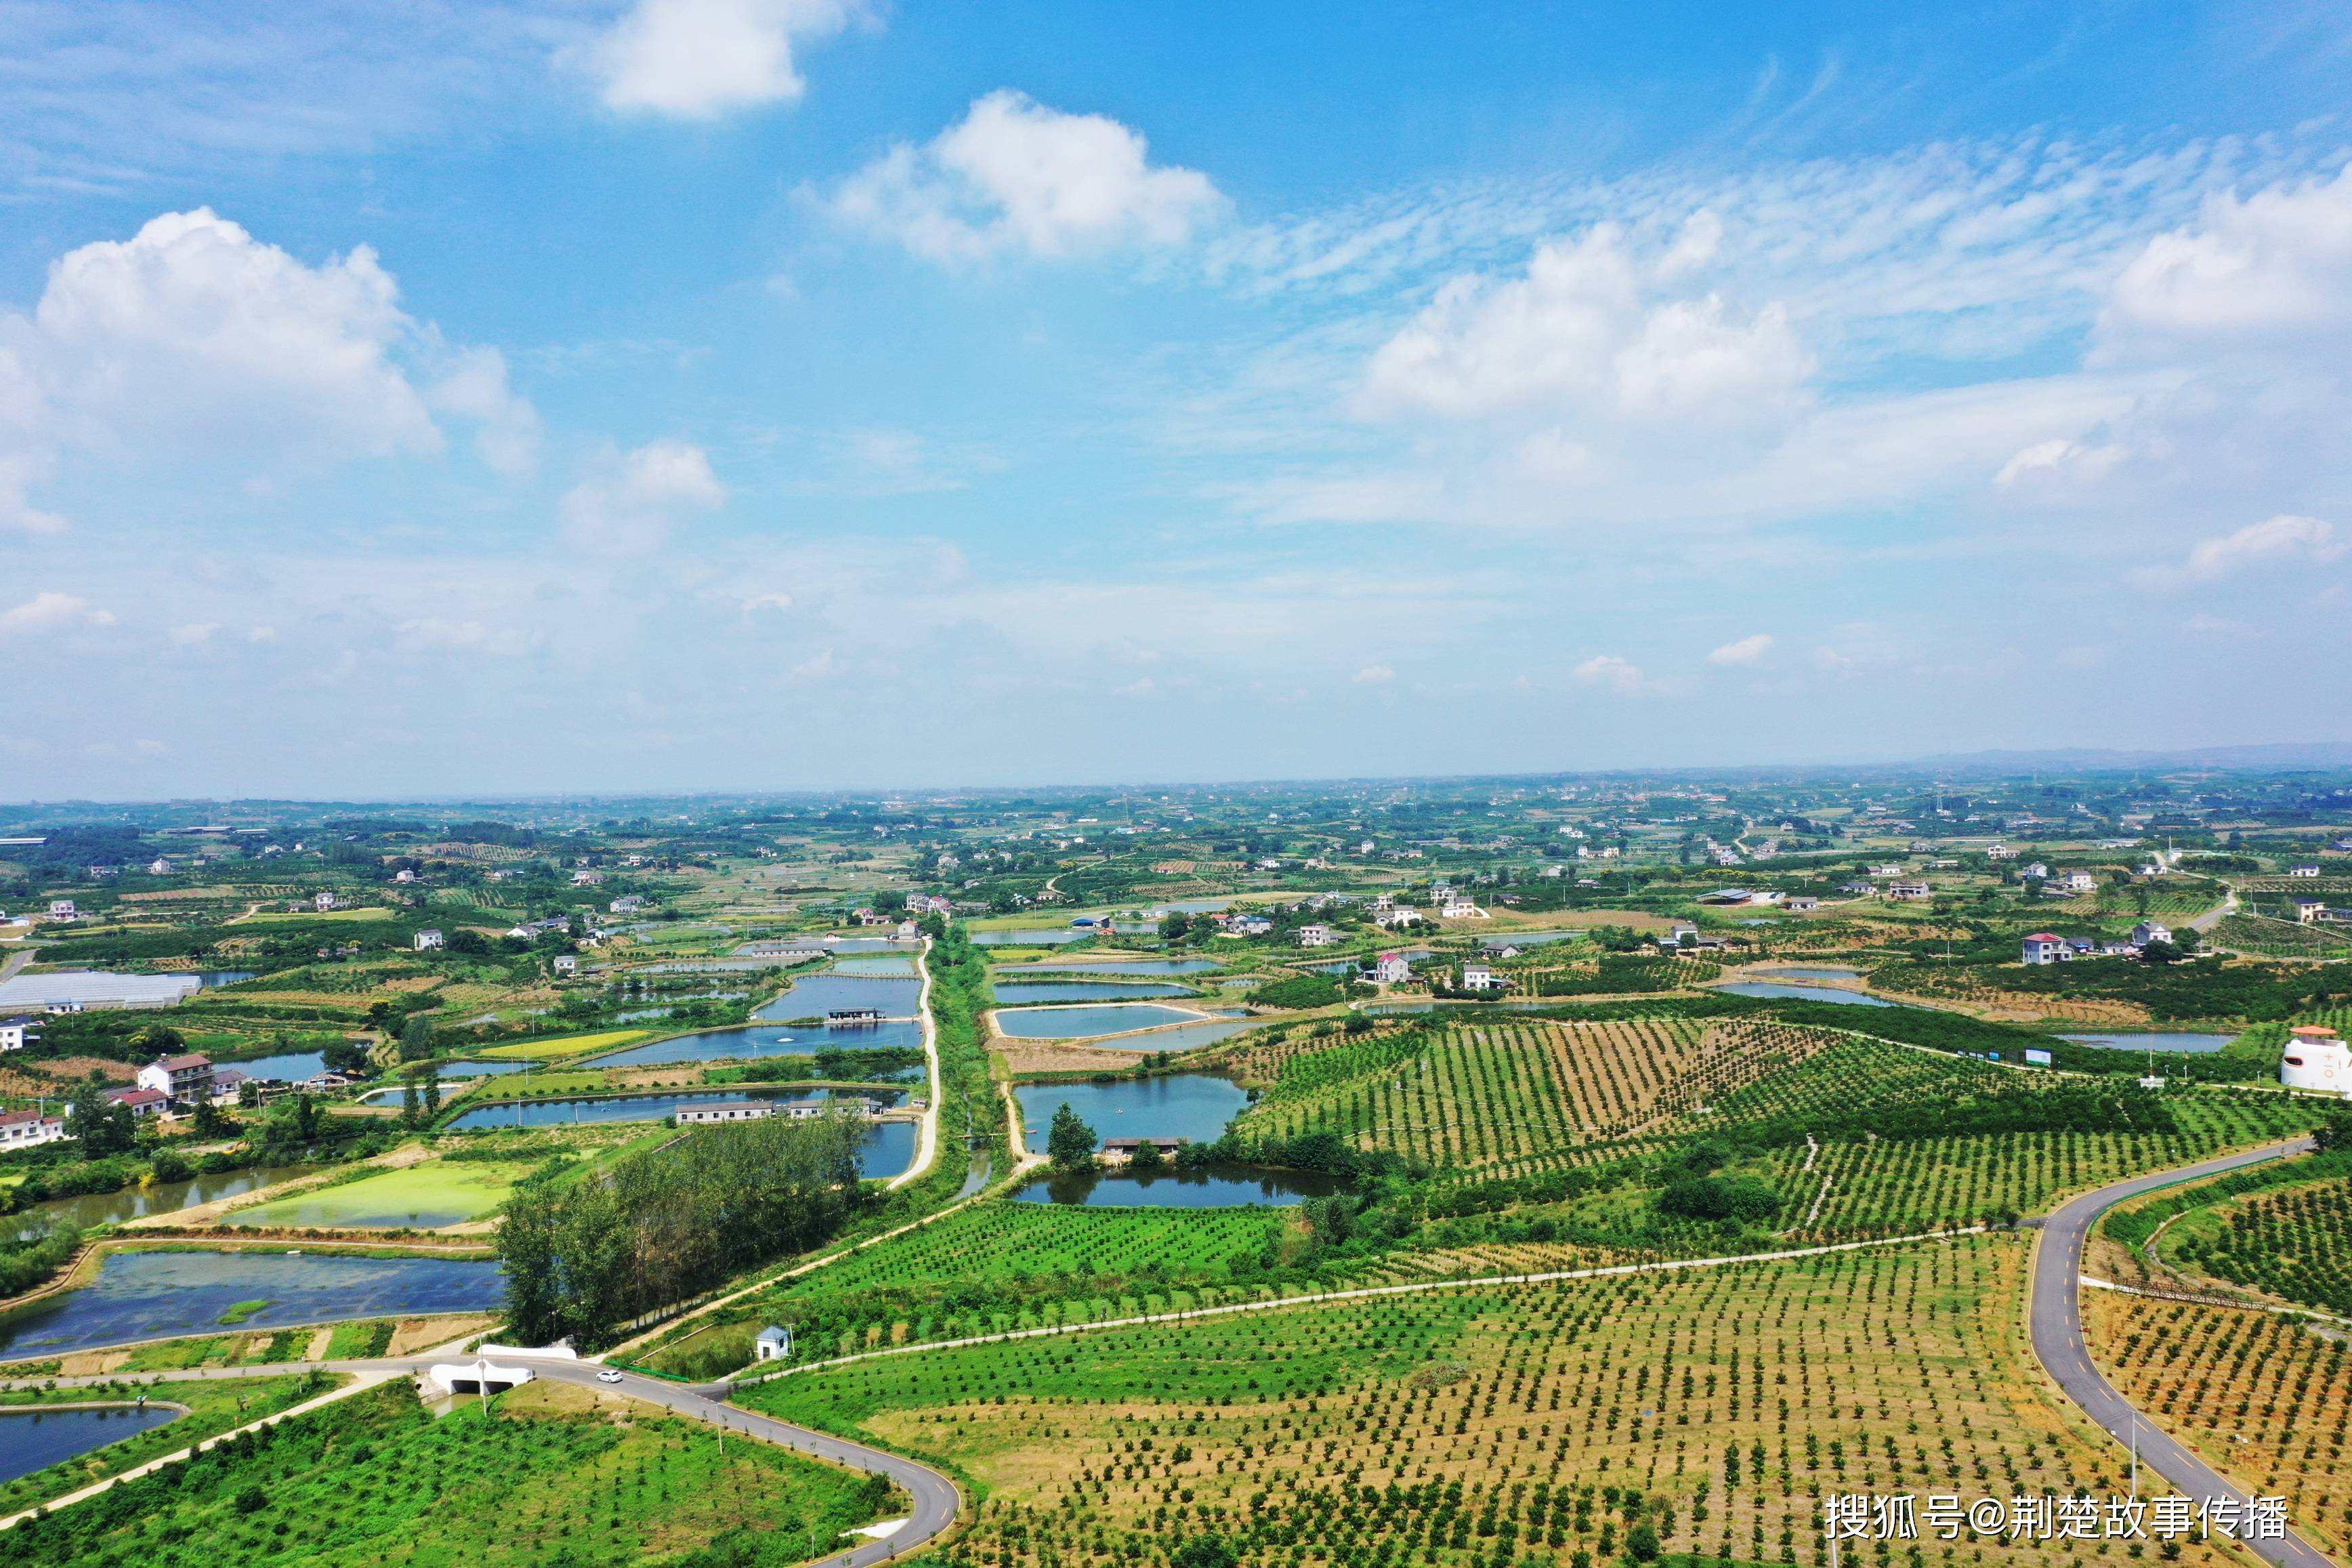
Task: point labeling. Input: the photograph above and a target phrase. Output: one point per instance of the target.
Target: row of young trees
(584, 1257)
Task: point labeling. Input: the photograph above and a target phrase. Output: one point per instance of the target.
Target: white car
(608, 1376)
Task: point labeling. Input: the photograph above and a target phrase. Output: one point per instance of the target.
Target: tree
(2336, 1132)
(211, 1124)
(1070, 1141)
(408, 1101)
(348, 1057)
(1147, 1160)
(416, 1038)
(102, 1129)
(1174, 925)
(2159, 953)
(1642, 1542)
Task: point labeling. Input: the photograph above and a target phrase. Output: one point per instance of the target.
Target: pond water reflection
(33, 1440)
(1194, 1105)
(163, 1295)
(1217, 1186)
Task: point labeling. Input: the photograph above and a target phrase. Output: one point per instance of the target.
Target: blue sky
(723, 393)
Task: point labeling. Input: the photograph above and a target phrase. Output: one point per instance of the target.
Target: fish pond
(1050, 937)
(1805, 993)
(292, 1066)
(889, 1146)
(33, 1440)
(158, 1198)
(2196, 1044)
(1081, 1022)
(1217, 1186)
(802, 1039)
(1112, 966)
(166, 1294)
(1821, 973)
(885, 964)
(820, 994)
(1194, 1105)
(1013, 993)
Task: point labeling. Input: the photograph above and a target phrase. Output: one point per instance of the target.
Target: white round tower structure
(2316, 1059)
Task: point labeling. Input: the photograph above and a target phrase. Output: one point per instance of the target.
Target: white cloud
(476, 387)
(698, 58)
(630, 505)
(811, 670)
(754, 601)
(1618, 675)
(2277, 539)
(193, 332)
(2059, 458)
(2278, 261)
(1747, 650)
(52, 612)
(194, 340)
(1013, 174)
(1375, 676)
(195, 634)
(1584, 332)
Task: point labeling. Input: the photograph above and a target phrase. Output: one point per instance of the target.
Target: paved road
(2057, 1323)
(936, 1499)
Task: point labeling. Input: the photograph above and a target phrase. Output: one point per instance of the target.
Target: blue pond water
(2199, 1044)
(758, 1041)
(1113, 967)
(1078, 1023)
(224, 977)
(1814, 973)
(1219, 1186)
(1530, 938)
(1185, 1037)
(1052, 936)
(881, 964)
(820, 994)
(1194, 1105)
(293, 1066)
(35, 1439)
(889, 1146)
(161, 1295)
(1805, 993)
(1010, 991)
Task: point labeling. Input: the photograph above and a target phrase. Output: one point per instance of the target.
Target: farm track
(2055, 1315)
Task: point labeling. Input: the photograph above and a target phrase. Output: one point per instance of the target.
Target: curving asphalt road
(937, 1501)
(2056, 1317)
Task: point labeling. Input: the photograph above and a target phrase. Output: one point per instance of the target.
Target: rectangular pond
(1219, 1186)
(164, 1295)
(889, 1146)
(1194, 1105)
(817, 995)
(1050, 936)
(761, 1041)
(292, 1067)
(1113, 966)
(1824, 973)
(1184, 1037)
(1010, 992)
(885, 964)
(2196, 1044)
(158, 1197)
(1805, 993)
(1081, 1022)
(34, 1440)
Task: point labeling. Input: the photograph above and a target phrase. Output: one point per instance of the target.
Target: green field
(2295, 1244)
(551, 1476)
(423, 1196)
(569, 1045)
(214, 1406)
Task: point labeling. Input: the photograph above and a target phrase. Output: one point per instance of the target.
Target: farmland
(556, 1475)
(425, 1196)
(2261, 1398)
(1467, 1426)
(2297, 1244)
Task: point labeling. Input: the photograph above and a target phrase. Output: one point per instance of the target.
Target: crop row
(1470, 1430)
(2296, 1245)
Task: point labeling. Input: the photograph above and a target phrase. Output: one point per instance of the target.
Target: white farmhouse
(2043, 947)
(1392, 969)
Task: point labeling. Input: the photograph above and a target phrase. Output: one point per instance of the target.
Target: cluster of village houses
(168, 1086)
